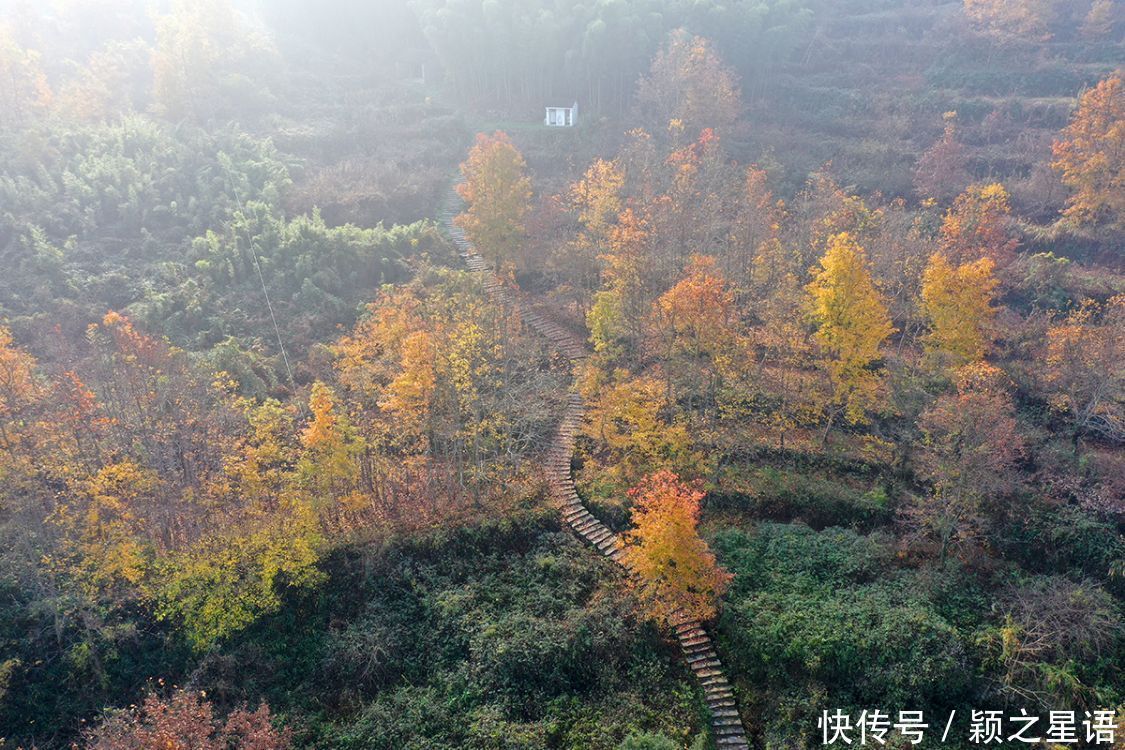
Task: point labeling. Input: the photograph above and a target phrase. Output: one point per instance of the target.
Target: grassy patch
(781, 494)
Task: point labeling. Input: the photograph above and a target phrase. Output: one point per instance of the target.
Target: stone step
(605, 538)
(709, 654)
(608, 545)
(728, 730)
(738, 741)
(698, 650)
(585, 524)
(579, 519)
(598, 534)
(709, 671)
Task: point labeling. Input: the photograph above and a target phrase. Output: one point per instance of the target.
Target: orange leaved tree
(970, 444)
(18, 387)
(976, 226)
(1091, 155)
(498, 193)
(1085, 369)
(693, 327)
(1014, 19)
(676, 573)
(942, 171)
(187, 720)
(690, 85)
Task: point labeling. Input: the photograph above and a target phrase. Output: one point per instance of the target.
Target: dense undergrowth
(502, 633)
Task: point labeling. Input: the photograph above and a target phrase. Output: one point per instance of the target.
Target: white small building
(561, 117)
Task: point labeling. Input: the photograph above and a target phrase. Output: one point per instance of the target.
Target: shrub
(830, 609)
(647, 742)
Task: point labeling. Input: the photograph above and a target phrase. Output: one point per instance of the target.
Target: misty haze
(562, 374)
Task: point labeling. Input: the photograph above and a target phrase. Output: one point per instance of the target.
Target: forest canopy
(347, 401)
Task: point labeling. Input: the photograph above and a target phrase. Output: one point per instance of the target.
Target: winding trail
(695, 643)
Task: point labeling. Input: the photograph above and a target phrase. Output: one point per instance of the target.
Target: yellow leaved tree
(497, 192)
(228, 579)
(24, 90)
(616, 316)
(852, 324)
(632, 417)
(209, 61)
(105, 545)
(330, 467)
(957, 302)
(410, 394)
(596, 200)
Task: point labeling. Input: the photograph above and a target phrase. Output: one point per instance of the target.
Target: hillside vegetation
(274, 467)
